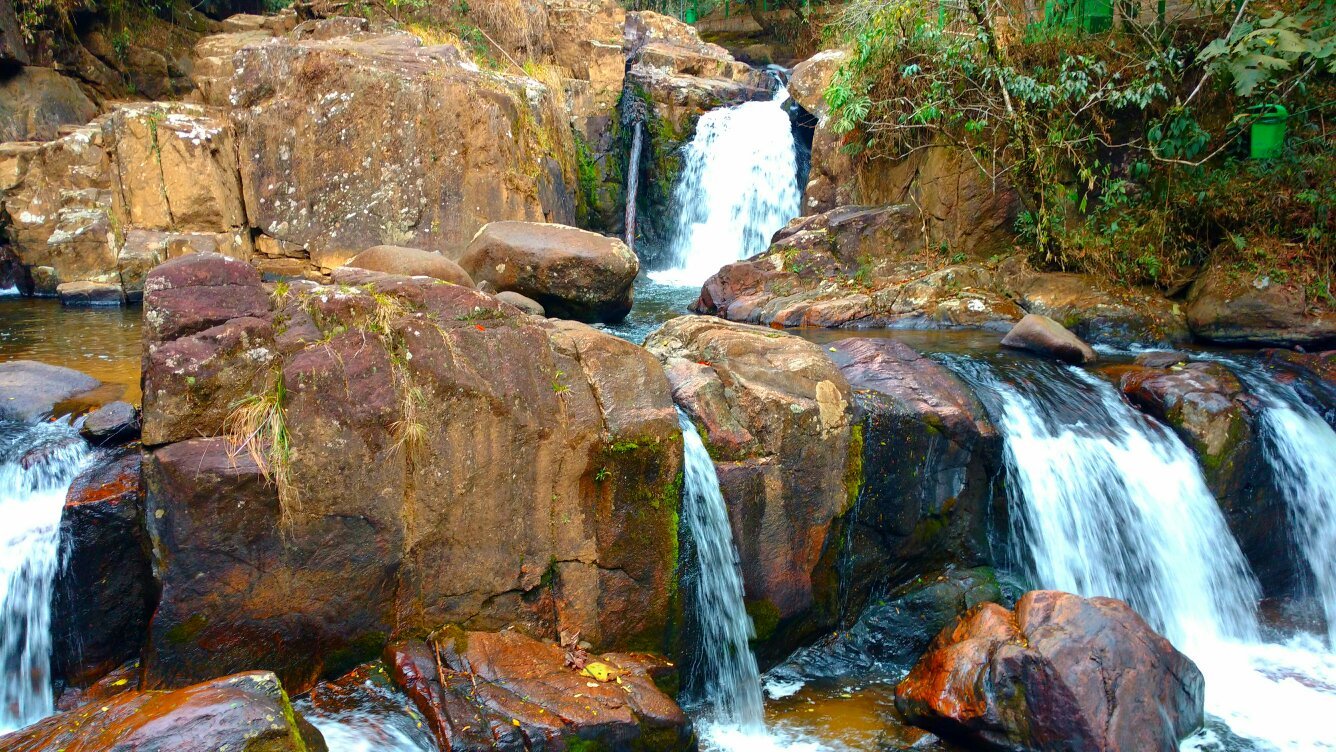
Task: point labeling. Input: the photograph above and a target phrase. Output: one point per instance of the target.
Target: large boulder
(1061, 672)
(369, 460)
(1211, 411)
(777, 417)
(410, 262)
(30, 390)
(809, 79)
(931, 457)
(12, 48)
(311, 113)
(572, 273)
(247, 711)
(104, 592)
(857, 267)
(487, 690)
(36, 102)
(1044, 336)
(1234, 307)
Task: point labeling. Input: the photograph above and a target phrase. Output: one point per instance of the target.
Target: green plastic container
(1267, 135)
(1096, 15)
(689, 16)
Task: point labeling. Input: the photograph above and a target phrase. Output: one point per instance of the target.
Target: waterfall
(37, 464)
(1106, 501)
(633, 182)
(738, 187)
(1300, 450)
(732, 682)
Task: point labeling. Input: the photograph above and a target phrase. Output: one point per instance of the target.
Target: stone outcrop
(931, 456)
(35, 102)
(394, 468)
(104, 592)
(571, 273)
(1061, 672)
(1044, 336)
(30, 390)
(777, 417)
(1096, 314)
(1233, 307)
(809, 79)
(858, 267)
(248, 711)
(484, 690)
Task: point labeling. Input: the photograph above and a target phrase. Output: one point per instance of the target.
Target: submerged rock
(572, 273)
(1061, 672)
(30, 390)
(777, 418)
(487, 690)
(248, 711)
(105, 591)
(1044, 336)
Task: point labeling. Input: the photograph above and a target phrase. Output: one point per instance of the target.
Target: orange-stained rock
(486, 690)
(1060, 673)
(247, 711)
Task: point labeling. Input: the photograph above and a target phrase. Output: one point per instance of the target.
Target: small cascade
(727, 668)
(1300, 449)
(738, 187)
(37, 464)
(633, 182)
(1108, 502)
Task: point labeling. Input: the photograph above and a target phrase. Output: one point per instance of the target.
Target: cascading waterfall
(37, 464)
(1106, 501)
(738, 187)
(732, 682)
(1300, 449)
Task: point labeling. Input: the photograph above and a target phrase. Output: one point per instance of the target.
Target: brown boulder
(385, 514)
(1096, 314)
(410, 262)
(30, 390)
(247, 711)
(199, 291)
(484, 690)
(90, 293)
(113, 423)
(1060, 673)
(572, 273)
(528, 305)
(1044, 336)
(104, 592)
(36, 102)
(809, 79)
(778, 418)
(1230, 306)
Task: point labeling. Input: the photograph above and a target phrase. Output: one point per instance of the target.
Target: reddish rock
(1044, 336)
(105, 591)
(1096, 314)
(199, 291)
(488, 690)
(247, 711)
(124, 678)
(1060, 673)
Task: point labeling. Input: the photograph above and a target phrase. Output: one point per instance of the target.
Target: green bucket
(689, 16)
(1266, 137)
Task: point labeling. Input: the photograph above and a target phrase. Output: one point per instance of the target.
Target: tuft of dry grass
(257, 426)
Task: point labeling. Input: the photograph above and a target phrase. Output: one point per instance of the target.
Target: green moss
(765, 617)
(365, 647)
(853, 468)
(187, 630)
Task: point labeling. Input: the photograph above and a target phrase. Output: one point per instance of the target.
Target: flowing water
(738, 187)
(633, 182)
(37, 464)
(1108, 502)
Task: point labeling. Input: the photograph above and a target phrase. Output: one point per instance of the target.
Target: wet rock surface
(248, 711)
(1044, 336)
(1232, 307)
(1060, 672)
(30, 390)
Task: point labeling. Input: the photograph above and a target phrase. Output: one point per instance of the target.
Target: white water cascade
(1108, 502)
(738, 187)
(37, 464)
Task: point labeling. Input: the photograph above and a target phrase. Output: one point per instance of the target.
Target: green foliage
(1106, 137)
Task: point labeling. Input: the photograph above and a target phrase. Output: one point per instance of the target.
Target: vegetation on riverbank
(1129, 146)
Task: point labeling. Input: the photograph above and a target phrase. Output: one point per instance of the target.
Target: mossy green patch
(765, 618)
(187, 630)
(363, 648)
